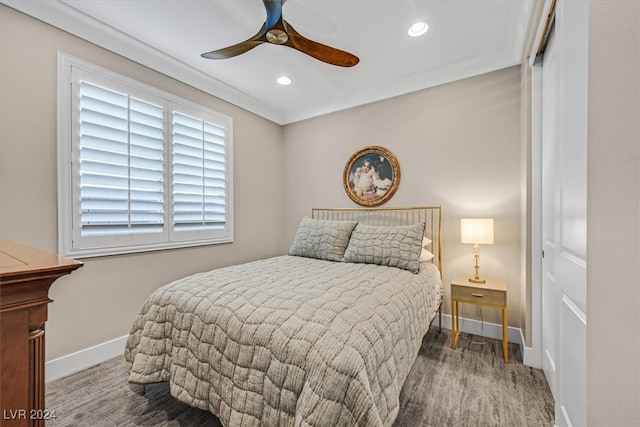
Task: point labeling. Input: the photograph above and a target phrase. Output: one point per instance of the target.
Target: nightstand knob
(477, 295)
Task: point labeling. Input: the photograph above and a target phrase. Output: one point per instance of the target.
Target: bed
(323, 336)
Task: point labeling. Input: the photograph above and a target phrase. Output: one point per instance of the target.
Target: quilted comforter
(287, 341)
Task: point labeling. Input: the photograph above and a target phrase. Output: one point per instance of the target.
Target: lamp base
(477, 280)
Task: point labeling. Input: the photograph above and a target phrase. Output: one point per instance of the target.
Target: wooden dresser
(25, 277)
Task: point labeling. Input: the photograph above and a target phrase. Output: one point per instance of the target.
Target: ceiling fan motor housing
(277, 36)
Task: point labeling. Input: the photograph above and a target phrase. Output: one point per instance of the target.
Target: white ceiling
(465, 38)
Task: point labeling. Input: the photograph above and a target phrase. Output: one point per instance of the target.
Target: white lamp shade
(476, 231)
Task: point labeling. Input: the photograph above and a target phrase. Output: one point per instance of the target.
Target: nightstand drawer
(477, 295)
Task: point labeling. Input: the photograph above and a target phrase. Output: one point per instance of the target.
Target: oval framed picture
(371, 176)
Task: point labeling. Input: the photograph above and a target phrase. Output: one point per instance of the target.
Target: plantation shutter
(199, 174)
(121, 163)
(139, 169)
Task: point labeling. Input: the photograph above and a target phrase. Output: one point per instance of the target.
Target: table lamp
(476, 231)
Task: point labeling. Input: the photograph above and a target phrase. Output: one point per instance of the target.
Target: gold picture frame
(371, 176)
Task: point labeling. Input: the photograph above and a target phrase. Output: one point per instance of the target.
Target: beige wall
(458, 146)
(613, 264)
(98, 302)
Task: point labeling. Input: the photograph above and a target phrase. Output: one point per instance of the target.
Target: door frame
(533, 356)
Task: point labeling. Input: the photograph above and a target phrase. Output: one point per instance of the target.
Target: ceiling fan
(278, 31)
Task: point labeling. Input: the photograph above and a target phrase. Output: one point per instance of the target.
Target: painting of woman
(371, 176)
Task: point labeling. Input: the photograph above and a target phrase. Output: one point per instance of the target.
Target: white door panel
(574, 365)
(571, 272)
(548, 328)
(573, 22)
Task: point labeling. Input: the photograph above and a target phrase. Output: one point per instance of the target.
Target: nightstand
(490, 294)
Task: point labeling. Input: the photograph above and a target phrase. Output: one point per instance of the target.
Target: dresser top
(18, 260)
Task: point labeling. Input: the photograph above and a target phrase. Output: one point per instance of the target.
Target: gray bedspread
(287, 341)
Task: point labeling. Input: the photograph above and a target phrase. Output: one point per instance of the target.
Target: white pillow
(425, 255)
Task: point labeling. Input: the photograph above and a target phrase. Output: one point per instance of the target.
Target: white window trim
(66, 212)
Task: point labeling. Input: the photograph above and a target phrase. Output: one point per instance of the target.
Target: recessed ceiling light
(284, 81)
(418, 29)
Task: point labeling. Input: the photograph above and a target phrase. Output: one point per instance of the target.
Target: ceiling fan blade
(239, 48)
(231, 51)
(321, 52)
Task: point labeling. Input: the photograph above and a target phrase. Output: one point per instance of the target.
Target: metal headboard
(431, 216)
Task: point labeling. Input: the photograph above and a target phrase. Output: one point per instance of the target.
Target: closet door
(550, 193)
(564, 211)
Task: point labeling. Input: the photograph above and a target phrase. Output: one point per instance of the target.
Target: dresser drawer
(475, 295)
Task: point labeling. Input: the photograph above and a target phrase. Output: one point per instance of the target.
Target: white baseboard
(484, 329)
(74, 362)
(530, 355)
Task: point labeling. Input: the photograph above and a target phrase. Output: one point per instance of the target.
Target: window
(139, 169)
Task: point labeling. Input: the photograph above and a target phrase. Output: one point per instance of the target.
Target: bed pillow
(425, 254)
(322, 239)
(397, 246)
